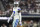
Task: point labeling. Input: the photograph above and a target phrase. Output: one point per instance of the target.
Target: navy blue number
(13, 12)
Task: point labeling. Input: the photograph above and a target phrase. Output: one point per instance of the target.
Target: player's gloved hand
(8, 20)
(20, 23)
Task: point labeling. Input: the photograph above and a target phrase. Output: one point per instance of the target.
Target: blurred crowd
(4, 25)
(27, 6)
(25, 23)
(30, 23)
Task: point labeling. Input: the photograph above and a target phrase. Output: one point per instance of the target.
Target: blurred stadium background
(29, 8)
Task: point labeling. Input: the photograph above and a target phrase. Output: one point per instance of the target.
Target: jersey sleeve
(19, 9)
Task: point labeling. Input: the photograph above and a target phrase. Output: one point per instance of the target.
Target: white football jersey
(15, 12)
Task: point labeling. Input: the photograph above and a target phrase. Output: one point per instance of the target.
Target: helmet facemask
(16, 4)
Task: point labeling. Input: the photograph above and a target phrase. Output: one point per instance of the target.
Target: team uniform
(15, 12)
(16, 15)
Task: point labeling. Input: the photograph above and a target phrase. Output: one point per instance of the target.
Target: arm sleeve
(20, 15)
(19, 10)
(11, 16)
